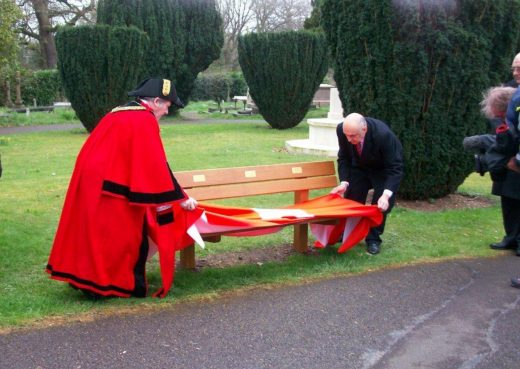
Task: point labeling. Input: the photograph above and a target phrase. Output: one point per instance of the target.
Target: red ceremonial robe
(121, 192)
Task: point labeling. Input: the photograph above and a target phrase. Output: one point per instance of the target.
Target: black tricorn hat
(157, 87)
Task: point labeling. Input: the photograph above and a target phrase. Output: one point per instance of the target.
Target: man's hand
(383, 203)
(340, 190)
(511, 164)
(189, 204)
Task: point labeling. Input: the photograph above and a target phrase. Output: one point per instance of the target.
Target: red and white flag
(354, 220)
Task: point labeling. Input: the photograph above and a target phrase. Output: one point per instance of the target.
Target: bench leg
(301, 234)
(301, 238)
(188, 257)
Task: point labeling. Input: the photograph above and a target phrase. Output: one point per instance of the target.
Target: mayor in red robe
(123, 201)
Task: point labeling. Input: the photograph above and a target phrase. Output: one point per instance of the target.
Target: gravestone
(322, 131)
(322, 95)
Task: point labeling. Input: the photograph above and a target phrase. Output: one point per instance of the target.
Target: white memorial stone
(322, 131)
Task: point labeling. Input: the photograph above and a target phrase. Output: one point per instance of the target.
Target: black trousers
(511, 220)
(359, 185)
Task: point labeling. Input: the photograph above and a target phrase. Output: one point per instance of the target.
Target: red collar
(142, 103)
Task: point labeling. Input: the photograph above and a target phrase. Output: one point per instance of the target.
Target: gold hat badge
(166, 87)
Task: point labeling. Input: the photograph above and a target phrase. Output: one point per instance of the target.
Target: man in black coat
(370, 156)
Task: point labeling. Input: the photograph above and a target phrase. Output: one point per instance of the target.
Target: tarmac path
(456, 314)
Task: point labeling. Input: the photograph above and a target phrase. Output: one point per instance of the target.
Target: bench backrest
(224, 183)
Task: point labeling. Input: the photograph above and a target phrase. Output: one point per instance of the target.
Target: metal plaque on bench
(250, 173)
(199, 178)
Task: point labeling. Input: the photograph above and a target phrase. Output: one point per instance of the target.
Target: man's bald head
(354, 128)
(516, 60)
(515, 68)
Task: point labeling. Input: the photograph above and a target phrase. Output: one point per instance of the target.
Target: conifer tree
(97, 67)
(422, 66)
(185, 36)
(283, 71)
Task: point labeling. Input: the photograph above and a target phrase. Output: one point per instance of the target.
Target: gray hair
(496, 99)
(147, 99)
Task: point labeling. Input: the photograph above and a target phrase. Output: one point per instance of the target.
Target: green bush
(199, 89)
(219, 86)
(202, 86)
(238, 86)
(44, 86)
(218, 89)
(422, 67)
(283, 71)
(97, 67)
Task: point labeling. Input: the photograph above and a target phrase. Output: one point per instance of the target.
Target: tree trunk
(47, 43)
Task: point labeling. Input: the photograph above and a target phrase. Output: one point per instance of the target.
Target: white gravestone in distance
(322, 131)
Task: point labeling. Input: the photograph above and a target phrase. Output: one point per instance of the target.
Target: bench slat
(221, 176)
(263, 188)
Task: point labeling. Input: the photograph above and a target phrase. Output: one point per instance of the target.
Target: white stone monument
(322, 131)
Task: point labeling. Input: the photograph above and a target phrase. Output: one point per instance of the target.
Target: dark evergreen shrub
(313, 23)
(283, 70)
(422, 67)
(97, 66)
(204, 40)
(185, 36)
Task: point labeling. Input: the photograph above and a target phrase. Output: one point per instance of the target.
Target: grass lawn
(37, 168)
(58, 116)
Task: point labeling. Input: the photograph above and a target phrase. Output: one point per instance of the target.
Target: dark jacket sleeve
(392, 156)
(344, 155)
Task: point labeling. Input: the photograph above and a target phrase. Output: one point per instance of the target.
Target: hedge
(283, 71)
(422, 68)
(98, 74)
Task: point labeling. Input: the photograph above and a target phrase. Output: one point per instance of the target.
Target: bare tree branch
(42, 17)
(236, 16)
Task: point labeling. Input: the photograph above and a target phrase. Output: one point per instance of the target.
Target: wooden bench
(225, 183)
(30, 109)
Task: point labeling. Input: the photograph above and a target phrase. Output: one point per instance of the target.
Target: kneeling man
(370, 156)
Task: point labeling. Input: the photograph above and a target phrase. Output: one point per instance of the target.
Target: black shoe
(515, 282)
(503, 245)
(373, 248)
(89, 294)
